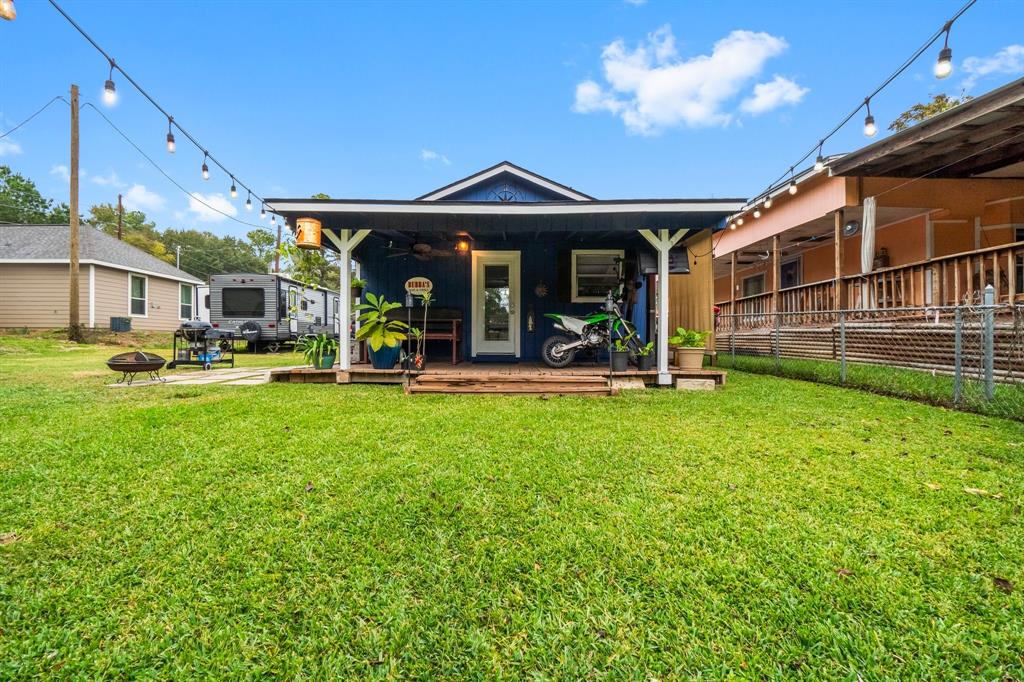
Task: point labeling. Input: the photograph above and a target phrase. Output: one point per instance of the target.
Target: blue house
(527, 244)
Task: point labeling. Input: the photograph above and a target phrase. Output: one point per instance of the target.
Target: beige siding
(36, 296)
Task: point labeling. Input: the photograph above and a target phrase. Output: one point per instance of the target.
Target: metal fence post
(988, 341)
(842, 346)
(732, 339)
(958, 354)
(778, 353)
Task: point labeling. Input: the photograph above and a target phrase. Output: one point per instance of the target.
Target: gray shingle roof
(50, 242)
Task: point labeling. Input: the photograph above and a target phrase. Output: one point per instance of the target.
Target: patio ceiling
(980, 138)
(495, 218)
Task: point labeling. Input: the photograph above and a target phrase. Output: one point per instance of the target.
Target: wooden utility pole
(74, 328)
(277, 251)
(120, 218)
(776, 273)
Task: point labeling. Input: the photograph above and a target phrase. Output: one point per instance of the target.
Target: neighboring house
(116, 280)
(949, 220)
(505, 246)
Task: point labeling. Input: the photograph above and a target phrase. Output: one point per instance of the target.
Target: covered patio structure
(532, 244)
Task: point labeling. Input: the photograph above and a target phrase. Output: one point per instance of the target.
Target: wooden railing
(948, 280)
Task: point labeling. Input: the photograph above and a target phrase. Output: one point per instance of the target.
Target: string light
(792, 181)
(944, 64)
(248, 202)
(206, 169)
(170, 136)
(732, 226)
(768, 201)
(757, 211)
(739, 221)
(263, 211)
(109, 89)
(819, 163)
(870, 129)
(234, 190)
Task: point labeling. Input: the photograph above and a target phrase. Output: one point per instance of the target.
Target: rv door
(293, 310)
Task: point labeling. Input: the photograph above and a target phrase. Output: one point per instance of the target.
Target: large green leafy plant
(687, 338)
(315, 348)
(376, 328)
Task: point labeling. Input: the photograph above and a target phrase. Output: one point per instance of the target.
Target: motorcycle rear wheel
(549, 352)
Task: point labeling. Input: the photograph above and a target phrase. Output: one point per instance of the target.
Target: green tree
(263, 244)
(204, 254)
(922, 112)
(136, 230)
(21, 202)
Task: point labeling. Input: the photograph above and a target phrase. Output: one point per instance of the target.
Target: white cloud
(206, 213)
(429, 155)
(1009, 60)
(138, 198)
(775, 93)
(62, 172)
(109, 181)
(652, 88)
(9, 148)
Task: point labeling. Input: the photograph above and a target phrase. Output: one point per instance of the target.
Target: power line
(867, 100)
(167, 175)
(38, 111)
(171, 122)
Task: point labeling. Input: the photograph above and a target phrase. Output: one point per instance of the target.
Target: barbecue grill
(130, 364)
(198, 343)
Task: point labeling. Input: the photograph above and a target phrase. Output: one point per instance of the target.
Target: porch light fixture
(870, 129)
(248, 202)
(462, 246)
(170, 136)
(234, 190)
(944, 64)
(109, 89)
(206, 169)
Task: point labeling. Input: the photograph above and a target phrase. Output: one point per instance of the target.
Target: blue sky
(618, 99)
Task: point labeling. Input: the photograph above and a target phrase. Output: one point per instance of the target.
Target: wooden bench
(443, 324)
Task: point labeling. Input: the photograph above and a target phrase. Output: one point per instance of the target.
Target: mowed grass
(774, 528)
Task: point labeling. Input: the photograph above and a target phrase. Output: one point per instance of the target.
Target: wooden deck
(531, 378)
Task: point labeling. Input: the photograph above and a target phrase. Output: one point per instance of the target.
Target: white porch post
(663, 243)
(346, 241)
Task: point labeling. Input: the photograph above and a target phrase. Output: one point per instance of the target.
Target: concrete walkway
(238, 376)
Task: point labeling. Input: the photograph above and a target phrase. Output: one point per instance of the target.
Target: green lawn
(775, 528)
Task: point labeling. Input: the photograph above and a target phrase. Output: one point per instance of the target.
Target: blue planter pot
(385, 358)
(326, 362)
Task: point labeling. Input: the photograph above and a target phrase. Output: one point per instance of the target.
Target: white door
(293, 310)
(495, 303)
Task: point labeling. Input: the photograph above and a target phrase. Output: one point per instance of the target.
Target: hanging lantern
(307, 235)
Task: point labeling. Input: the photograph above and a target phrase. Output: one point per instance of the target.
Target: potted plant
(319, 351)
(645, 357)
(689, 347)
(383, 335)
(415, 360)
(620, 355)
(356, 286)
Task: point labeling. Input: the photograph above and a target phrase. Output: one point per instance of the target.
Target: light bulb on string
(768, 202)
(170, 136)
(739, 221)
(206, 169)
(757, 211)
(248, 201)
(870, 129)
(234, 190)
(819, 163)
(944, 64)
(109, 89)
(263, 211)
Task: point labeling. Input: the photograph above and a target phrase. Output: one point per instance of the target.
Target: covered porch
(505, 247)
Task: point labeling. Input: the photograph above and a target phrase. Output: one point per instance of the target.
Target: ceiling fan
(419, 250)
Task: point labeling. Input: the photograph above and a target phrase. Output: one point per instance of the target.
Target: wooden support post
(732, 282)
(74, 325)
(776, 273)
(345, 241)
(663, 243)
(838, 286)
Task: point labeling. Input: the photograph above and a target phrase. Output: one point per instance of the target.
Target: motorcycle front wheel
(551, 351)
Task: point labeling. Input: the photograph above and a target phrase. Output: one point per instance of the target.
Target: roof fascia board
(497, 170)
(90, 261)
(497, 208)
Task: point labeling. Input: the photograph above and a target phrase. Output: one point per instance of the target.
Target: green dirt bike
(593, 332)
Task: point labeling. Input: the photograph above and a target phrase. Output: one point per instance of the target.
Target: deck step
(514, 378)
(517, 385)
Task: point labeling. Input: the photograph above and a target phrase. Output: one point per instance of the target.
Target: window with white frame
(185, 298)
(138, 288)
(594, 273)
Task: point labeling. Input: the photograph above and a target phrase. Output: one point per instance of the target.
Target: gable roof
(557, 188)
(50, 244)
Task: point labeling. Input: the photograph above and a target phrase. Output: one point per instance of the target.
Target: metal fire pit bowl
(130, 364)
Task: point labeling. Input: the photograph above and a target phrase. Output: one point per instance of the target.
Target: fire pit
(130, 364)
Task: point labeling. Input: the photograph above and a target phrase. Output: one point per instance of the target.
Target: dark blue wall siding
(452, 285)
(498, 188)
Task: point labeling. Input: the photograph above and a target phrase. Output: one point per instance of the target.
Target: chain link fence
(969, 357)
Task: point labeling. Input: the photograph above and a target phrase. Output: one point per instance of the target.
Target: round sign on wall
(418, 285)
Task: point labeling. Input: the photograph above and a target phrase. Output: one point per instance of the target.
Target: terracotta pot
(689, 358)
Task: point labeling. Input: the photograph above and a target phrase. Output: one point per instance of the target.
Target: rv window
(238, 302)
(206, 301)
(305, 304)
(185, 300)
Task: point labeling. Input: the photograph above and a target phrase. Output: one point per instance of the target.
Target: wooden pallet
(523, 384)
